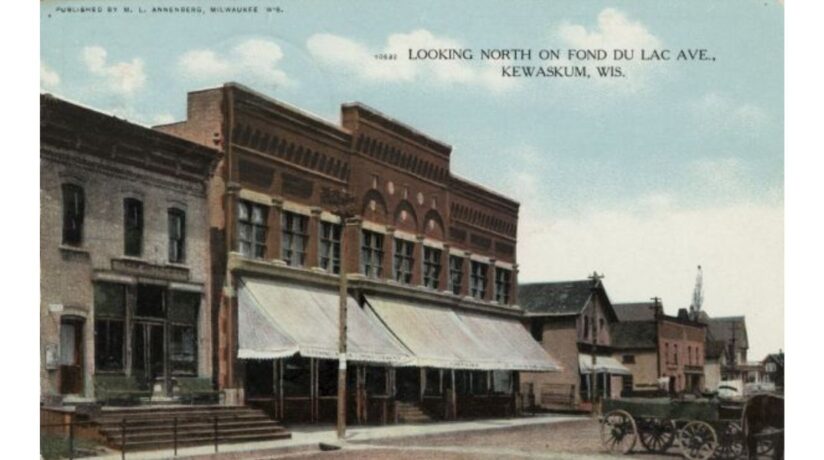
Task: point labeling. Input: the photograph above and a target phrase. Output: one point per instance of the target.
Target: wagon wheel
(618, 432)
(656, 435)
(765, 447)
(698, 440)
(730, 441)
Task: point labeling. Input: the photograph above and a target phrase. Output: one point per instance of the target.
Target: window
(251, 229)
(666, 353)
(626, 385)
(177, 235)
(628, 359)
(404, 260)
(601, 324)
(503, 281)
(477, 280)
(330, 247)
(109, 332)
(455, 274)
(133, 224)
(151, 301)
(372, 254)
(586, 327)
(431, 267)
(675, 354)
(182, 318)
(295, 237)
(73, 213)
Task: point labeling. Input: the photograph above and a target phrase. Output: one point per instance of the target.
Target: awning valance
(606, 364)
(276, 320)
(442, 337)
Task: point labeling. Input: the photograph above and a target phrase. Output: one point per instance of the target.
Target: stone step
(204, 432)
(181, 419)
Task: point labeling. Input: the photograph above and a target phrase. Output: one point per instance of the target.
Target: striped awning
(443, 337)
(278, 319)
(605, 364)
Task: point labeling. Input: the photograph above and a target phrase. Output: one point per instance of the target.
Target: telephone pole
(596, 285)
(342, 205)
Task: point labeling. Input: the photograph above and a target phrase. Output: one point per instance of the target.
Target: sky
(641, 178)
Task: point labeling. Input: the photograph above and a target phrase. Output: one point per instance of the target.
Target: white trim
(327, 216)
(255, 197)
(433, 243)
(402, 235)
(114, 278)
(479, 258)
(373, 227)
(457, 252)
(297, 208)
(188, 287)
(505, 265)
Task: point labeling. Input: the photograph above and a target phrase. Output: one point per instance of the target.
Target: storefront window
(110, 314)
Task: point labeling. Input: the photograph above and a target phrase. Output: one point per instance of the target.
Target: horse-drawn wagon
(699, 428)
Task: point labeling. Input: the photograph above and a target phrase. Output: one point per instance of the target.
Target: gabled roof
(721, 330)
(777, 358)
(634, 335)
(635, 311)
(561, 298)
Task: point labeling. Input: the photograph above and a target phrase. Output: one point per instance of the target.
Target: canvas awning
(442, 337)
(606, 364)
(276, 320)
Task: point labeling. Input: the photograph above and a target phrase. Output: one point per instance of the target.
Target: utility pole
(593, 387)
(342, 204)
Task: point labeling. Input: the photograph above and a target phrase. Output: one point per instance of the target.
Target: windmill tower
(697, 295)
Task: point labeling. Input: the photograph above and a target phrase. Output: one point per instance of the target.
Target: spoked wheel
(730, 442)
(765, 447)
(697, 440)
(618, 432)
(656, 435)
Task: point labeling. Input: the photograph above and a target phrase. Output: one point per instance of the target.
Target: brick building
(430, 257)
(123, 258)
(570, 319)
(655, 346)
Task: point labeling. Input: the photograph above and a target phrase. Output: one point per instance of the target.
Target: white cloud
(720, 112)
(49, 78)
(654, 253)
(614, 30)
(354, 58)
(254, 60)
(121, 78)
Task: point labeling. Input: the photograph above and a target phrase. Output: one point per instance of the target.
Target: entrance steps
(410, 412)
(152, 427)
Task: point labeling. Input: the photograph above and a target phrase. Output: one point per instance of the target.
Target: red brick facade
(285, 161)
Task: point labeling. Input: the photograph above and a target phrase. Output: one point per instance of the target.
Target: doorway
(148, 359)
(71, 355)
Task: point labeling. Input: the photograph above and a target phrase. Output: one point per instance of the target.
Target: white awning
(440, 337)
(277, 319)
(606, 364)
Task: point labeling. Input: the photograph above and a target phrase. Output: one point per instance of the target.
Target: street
(565, 440)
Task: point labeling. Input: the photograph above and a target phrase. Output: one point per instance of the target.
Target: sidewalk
(307, 438)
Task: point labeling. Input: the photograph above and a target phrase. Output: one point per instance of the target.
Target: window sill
(177, 265)
(73, 249)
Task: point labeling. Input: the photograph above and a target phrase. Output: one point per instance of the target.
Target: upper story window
(404, 260)
(133, 224)
(666, 353)
(330, 247)
(675, 354)
(431, 267)
(456, 265)
(477, 280)
(73, 213)
(295, 237)
(372, 254)
(503, 283)
(251, 226)
(628, 359)
(177, 235)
